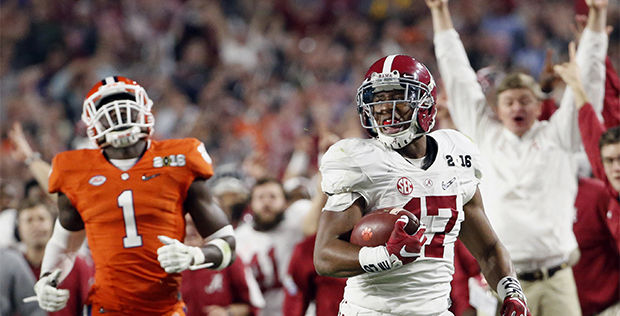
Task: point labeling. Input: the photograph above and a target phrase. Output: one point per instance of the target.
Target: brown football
(375, 228)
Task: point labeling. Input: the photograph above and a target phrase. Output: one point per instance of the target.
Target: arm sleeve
(61, 250)
(466, 101)
(611, 103)
(591, 130)
(591, 60)
(591, 54)
(548, 108)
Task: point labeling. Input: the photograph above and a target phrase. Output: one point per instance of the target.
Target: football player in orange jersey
(129, 198)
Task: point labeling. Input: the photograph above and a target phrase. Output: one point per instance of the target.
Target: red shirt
(597, 228)
(597, 274)
(77, 282)
(611, 108)
(205, 287)
(307, 285)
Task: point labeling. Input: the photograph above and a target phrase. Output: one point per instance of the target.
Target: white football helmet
(117, 112)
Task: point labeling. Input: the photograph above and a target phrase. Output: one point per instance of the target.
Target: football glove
(514, 306)
(402, 247)
(49, 297)
(175, 257)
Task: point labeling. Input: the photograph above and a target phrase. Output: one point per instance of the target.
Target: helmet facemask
(118, 114)
(419, 117)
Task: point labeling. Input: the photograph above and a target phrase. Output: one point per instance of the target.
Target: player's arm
(337, 258)
(212, 224)
(59, 256)
(479, 237)
(332, 256)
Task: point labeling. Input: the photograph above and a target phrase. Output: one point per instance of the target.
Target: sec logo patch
(404, 186)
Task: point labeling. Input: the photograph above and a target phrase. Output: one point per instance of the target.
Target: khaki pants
(553, 296)
(613, 310)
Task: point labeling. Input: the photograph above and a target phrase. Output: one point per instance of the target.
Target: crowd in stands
(266, 85)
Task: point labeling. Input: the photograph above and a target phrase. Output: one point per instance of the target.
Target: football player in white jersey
(433, 175)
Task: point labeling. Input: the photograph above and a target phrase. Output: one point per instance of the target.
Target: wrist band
(374, 259)
(222, 232)
(224, 247)
(509, 286)
(31, 158)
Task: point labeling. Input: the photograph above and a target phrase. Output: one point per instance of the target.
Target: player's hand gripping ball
(374, 229)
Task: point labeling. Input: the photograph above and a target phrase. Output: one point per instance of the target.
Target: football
(375, 228)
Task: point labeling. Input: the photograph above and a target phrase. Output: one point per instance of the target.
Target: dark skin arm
(68, 216)
(208, 218)
(480, 239)
(332, 256)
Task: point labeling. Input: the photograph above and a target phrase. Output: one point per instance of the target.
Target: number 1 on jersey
(131, 239)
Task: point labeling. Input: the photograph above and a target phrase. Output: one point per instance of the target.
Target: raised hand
(22, 151)
(432, 4)
(569, 72)
(597, 4)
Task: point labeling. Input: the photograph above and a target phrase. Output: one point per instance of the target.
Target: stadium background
(251, 79)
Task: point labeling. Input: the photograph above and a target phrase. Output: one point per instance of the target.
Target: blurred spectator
(17, 283)
(531, 213)
(266, 242)
(231, 191)
(304, 286)
(232, 291)
(35, 221)
(8, 214)
(271, 61)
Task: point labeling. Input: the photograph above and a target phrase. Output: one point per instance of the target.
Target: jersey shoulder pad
(70, 161)
(453, 140)
(342, 166)
(194, 154)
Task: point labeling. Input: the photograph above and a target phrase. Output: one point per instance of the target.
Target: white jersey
(268, 253)
(365, 167)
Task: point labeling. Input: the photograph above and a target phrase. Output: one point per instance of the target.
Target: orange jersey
(125, 211)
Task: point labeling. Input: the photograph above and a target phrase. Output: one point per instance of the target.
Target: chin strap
(400, 139)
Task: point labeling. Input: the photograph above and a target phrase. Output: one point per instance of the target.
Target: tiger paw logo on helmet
(117, 112)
